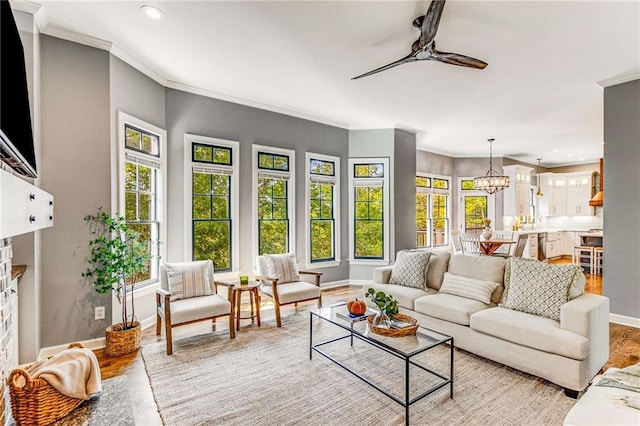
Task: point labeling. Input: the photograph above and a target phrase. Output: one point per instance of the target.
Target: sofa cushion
(410, 268)
(404, 295)
(538, 288)
(484, 268)
(448, 307)
(531, 331)
(468, 287)
(438, 264)
(576, 290)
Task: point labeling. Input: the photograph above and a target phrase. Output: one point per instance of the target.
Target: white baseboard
(624, 320)
(334, 284)
(93, 344)
(359, 282)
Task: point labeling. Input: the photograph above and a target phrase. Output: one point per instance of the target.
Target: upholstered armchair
(188, 294)
(281, 282)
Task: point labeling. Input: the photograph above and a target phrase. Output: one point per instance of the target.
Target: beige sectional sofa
(568, 352)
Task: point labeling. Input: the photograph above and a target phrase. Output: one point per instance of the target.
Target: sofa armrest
(382, 275)
(588, 316)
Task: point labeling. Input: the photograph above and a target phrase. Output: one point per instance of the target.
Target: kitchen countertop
(590, 232)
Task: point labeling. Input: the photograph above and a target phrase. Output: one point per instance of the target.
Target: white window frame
(335, 180)
(122, 119)
(291, 190)
(385, 210)
(189, 140)
(491, 202)
(437, 191)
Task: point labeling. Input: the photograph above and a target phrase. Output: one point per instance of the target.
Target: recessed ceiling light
(555, 150)
(569, 155)
(580, 159)
(152, 11)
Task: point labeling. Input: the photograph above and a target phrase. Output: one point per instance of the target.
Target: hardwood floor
(624, 346)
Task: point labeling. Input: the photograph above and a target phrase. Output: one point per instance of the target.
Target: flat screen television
(16, 135)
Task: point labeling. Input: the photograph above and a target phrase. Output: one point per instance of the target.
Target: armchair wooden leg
(158, 324)
(277, 310)
(320, 301)
(168, 336)
(232, 330)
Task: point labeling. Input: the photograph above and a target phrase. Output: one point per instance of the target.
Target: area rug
(113, 407)
(265, 377)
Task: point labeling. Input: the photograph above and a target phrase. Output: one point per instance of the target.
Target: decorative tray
(408, 330)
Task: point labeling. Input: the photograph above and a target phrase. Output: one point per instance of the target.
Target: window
(475, 206)
(142, 178)
(369, 209)
(432, 211)
(274, 198)
(212, 191)
(323, 210)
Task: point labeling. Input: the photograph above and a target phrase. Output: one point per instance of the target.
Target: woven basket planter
(35, 401)
(121, 341)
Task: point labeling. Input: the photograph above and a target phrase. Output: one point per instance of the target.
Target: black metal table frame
(406, 402)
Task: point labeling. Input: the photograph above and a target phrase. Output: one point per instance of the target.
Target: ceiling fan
(424, 48)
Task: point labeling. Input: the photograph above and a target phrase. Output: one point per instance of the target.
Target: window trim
(189, 140)
(491, 202)
(386, 208)
(430, 191)
(291, 198)
(336, 210)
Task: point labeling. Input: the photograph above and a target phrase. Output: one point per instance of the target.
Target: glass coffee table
(404, 348)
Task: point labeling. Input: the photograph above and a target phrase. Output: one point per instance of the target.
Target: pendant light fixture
(492, 181)
(539, 193)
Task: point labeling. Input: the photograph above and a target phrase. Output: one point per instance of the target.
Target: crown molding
(224, 97)
(618, 80)
(125, 57)
(25, 6)
(76, 37)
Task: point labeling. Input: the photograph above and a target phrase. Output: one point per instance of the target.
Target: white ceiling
(538, 94)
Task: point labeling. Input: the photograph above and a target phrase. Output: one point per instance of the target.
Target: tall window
(432, 211)
(369, 209)
(213, 200)
(475, 207)
(141, 148)
(274, 186)
(323, 207)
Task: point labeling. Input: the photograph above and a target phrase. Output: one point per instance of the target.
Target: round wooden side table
(254, 301)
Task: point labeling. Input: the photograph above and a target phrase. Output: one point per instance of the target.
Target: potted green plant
(388, 307)
(118, 257)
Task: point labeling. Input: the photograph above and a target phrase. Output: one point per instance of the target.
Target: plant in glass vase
(388, 307)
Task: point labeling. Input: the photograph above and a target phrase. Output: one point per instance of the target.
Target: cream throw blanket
(73, 372)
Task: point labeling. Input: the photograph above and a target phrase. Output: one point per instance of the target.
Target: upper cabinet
(518, 197)
(564, 194)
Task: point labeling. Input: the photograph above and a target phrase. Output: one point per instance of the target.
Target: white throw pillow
(538, 288)
(410, 269)
(283, 267)
(469, 288)
(189, 280)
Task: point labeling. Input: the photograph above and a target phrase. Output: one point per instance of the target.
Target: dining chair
(470, 244)
(505, 249)
(455, 241)
(521, 243)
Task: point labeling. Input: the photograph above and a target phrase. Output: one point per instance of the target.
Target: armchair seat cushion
(292, 292)
(196, 308)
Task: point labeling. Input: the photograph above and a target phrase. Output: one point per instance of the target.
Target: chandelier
(491, 182)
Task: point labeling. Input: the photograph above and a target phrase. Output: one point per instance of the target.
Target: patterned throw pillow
(189, 280)
(283, 267)
(410, 269)
(538, 288)
(469, 288)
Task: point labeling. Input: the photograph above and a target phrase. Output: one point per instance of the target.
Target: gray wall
(76, 170)
(189, 113)
(135, 94)
(621, 276)
(428, 162)
(404, 190)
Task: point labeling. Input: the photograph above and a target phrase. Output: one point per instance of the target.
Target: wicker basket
(395, 332)
(35, 401)
(120, 341)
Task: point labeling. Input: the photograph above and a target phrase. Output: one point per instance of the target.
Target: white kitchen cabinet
(567, 242)
(558, 201)
(531, 249)
(578, 201)
(517, 198)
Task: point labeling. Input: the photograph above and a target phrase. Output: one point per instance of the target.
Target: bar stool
(597, 263)
(583, 256)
